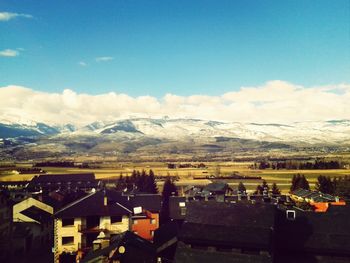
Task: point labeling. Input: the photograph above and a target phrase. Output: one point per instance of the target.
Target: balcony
(93, 229)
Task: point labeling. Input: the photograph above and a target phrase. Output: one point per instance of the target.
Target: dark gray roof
(185, 254)
(81, 177)
(37, 214)
(174, 208)
(132, 243)
(315, 232)
(216, 187)
(93, 205)
(315, 195)
(243, 225)
(150, 202)
(117, 204)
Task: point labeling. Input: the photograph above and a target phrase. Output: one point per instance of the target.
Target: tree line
(141, 181)
(297, 165)
(338, 186)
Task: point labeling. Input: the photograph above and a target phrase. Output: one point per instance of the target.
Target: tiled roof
(37, 214)
(174, 208)
(221, 223)
(92, 205)
(117, 204)
(185, 254)
(315, 232)
(216, 187)
(133, 245)
(82, 177)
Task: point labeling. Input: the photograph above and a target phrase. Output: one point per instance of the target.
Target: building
(320, 201)
(126, 247)
(78, 224)
(229, 230)
(6, 225)
(52, 182)
(32, 229)
(306, 236)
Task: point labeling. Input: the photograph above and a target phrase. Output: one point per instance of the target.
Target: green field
(187, 176)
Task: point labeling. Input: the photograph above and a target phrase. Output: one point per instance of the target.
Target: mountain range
(165, 135)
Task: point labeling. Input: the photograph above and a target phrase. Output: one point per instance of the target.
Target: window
(153, 221)
(116, 219)
(135, 222)
(68, 222)
(183, 211)
(67, 241)
(152, 233)
(290, 214)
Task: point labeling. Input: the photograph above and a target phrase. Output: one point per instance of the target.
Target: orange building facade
(323, 206)
(145, 224)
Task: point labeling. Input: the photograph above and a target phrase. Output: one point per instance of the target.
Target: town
(78, 218)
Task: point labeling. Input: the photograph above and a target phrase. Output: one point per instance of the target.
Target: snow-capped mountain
(310, 132)
(336, 131)
(146, 136)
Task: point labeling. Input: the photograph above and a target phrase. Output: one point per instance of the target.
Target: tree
(169, 189)
(342, 187)
(150, 184)
(304, 183)
(141, 179)
(294, 183)
(324, 185)
(259, 190)
(121, 182)
(241, 188)
(299, 182)
(275, 190)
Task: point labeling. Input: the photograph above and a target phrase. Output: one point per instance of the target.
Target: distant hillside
(141, 136)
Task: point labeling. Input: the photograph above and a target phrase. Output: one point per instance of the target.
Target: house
(185, 254)
(217, 189)
(145, 218)
(5, 226)
(166, 239)
(125, 247)
(52, 182)
(32, 227)
(78, 224)
(239, 229)
(304, 236)
(318, 200)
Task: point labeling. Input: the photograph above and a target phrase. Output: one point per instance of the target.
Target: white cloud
(82, 63)
(103, 59)
(6, 16)
(9, 53)
(273, 102)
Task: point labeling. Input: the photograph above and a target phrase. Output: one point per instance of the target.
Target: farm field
(187, 176)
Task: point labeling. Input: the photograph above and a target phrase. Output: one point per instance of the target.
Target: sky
(155, 52)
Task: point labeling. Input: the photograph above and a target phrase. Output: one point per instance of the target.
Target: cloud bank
(274, 102)
(6, 16)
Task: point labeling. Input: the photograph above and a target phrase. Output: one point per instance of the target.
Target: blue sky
(180, 47)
